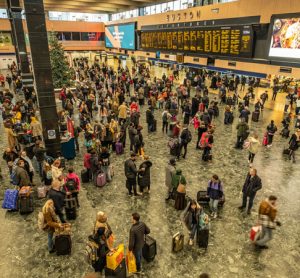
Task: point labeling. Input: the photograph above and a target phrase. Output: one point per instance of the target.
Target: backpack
(71, 185)
(189, 137)
(41, 221)
(91, 251)
(203, 221)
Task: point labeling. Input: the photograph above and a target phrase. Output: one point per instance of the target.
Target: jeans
(250, 204)
(251, 157)
(265, 236)
(138, 258)
(150, 127)
(213, 204)
(61, 216)
(193, 231)
(107, 173)
(50, 240)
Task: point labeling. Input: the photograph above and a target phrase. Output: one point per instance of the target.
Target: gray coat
(170, 172)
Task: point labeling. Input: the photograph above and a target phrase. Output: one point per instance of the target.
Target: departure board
(223, 40)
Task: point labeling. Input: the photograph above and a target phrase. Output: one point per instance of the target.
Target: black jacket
(252, 185)
(144, 179)
(58, 198)
(137, 236)
(130, 169)
(149, 117)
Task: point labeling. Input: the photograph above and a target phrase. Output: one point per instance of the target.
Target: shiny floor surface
(23, 247)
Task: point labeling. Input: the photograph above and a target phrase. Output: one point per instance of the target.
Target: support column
(36, 25)
(14, 11)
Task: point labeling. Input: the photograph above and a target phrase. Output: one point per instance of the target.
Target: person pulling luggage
(215, 193)
(72, 185)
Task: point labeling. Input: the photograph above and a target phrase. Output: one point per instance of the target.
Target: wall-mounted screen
(120, 36)
(285, 39)
(223, 41)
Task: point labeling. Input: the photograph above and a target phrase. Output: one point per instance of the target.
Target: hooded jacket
(178, 178)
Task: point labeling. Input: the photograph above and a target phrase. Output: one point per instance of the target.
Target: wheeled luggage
(42, 192)
(101, 180)
(63, 242)
(119, 148)
(149, 249)
(202, 199)
(10, 201)
(119, 272)
(177, 242)
(255, 116)
(285, 133)
(202, 238)
(180, 202)
(286, 151)
(265, 140)
(25, 200)
(70, 208)
(85, 176)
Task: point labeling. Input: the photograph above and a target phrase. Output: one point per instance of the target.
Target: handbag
(181, 187)
(130, 262)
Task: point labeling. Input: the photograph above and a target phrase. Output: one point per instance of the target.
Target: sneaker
(191, 243)
(215, 215)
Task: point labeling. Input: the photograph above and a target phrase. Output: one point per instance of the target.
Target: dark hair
(272, 198)
(70, 170)
(133, 154)
(215, 177)
(193, 202)
(136, 216)
(204, 275)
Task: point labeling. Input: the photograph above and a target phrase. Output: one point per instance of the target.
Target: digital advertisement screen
(224, 41)
(285, 40)
(120, 36)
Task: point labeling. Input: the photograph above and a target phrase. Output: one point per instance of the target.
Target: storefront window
(69, 16)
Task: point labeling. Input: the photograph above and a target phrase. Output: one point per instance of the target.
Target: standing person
(170, 171)
(21, 174)
(185, 138)
(105, 163)
(144, 177)
(51, 223)
(245, 114)
(56, 170)
(58, 198)
(242, 133)
(72, 184)
(287, 103)
(131, 173)
(294, 145)
(36, 128)
(267, 213)
(253, 147)
(166, 116)
(179, 179)
(251, 186)
(39, 153)
(137, 234)
(215, 193)
(101, 235)
(275, 91)
(132, 132)
(191, 219)
(122, 112)
(271, 130)
(208, 143)
(150, 119)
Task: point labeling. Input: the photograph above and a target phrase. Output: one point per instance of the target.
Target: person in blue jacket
(215, 193)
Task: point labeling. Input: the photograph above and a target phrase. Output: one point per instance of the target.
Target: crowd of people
(105, 108)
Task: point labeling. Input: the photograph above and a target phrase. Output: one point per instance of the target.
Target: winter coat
(170, 172)
(122, 111)
(252, 185)
(36, 129)
(187, 216)
(254, 145)
(144, 178)
(242, 129)
(11, 138)
(215, 190)
(149, 117)
(73, 176)
(51, 219)
(130, 169)
(56, 172)
(178, 178)
(23, 177)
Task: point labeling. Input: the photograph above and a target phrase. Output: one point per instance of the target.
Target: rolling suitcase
(101, 180)
(70, 208)
(154, 125)
(255, 116)
(119, 272)
(149, 249)
(119, 148)
(85, 176)
(63, 242)
(177, 242)
(202, 199)
(25, 203)
(202, 238)
(10, 201)
(42, 192)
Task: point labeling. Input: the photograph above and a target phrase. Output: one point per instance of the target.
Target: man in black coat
(137, 238)
(58, 198)
(251, 186)
(150, 119)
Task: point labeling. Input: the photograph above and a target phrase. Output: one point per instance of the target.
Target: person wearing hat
(170, 171)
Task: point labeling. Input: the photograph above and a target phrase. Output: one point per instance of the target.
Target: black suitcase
(285, 133)
(85, 176)
(255, 116)
(149, 249)
(286, 151)
(63, 245)
(202, 199)
(119, 272)
(202, 238)
(70, 208)
(25, 204)
(154, 125)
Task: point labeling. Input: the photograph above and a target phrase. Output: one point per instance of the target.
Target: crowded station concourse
(140, 161)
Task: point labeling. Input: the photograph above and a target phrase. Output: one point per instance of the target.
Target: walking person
(185, 139)
(294, 145)
(242, 133)
(271, 130)
(253, 145)
(251, 186)
(215, 193)
(137, 234)
(267, 213)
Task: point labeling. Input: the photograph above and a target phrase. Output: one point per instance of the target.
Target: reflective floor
(24, 252)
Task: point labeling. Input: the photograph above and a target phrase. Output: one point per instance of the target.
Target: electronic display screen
(285, 39)
(224, 41)
(123, 36)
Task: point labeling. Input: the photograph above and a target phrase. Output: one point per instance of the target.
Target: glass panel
(75, 36)
(3, 13)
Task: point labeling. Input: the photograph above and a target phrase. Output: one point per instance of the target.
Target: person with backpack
(51, 223)
(185, 139)
(103, 238)
(58, 196)
(72, 184)
(137, 234)
(206, 143)
(242, 133)
(215, 193)
(271, 130)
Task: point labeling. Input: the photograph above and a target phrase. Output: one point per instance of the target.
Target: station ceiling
(92, 6)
